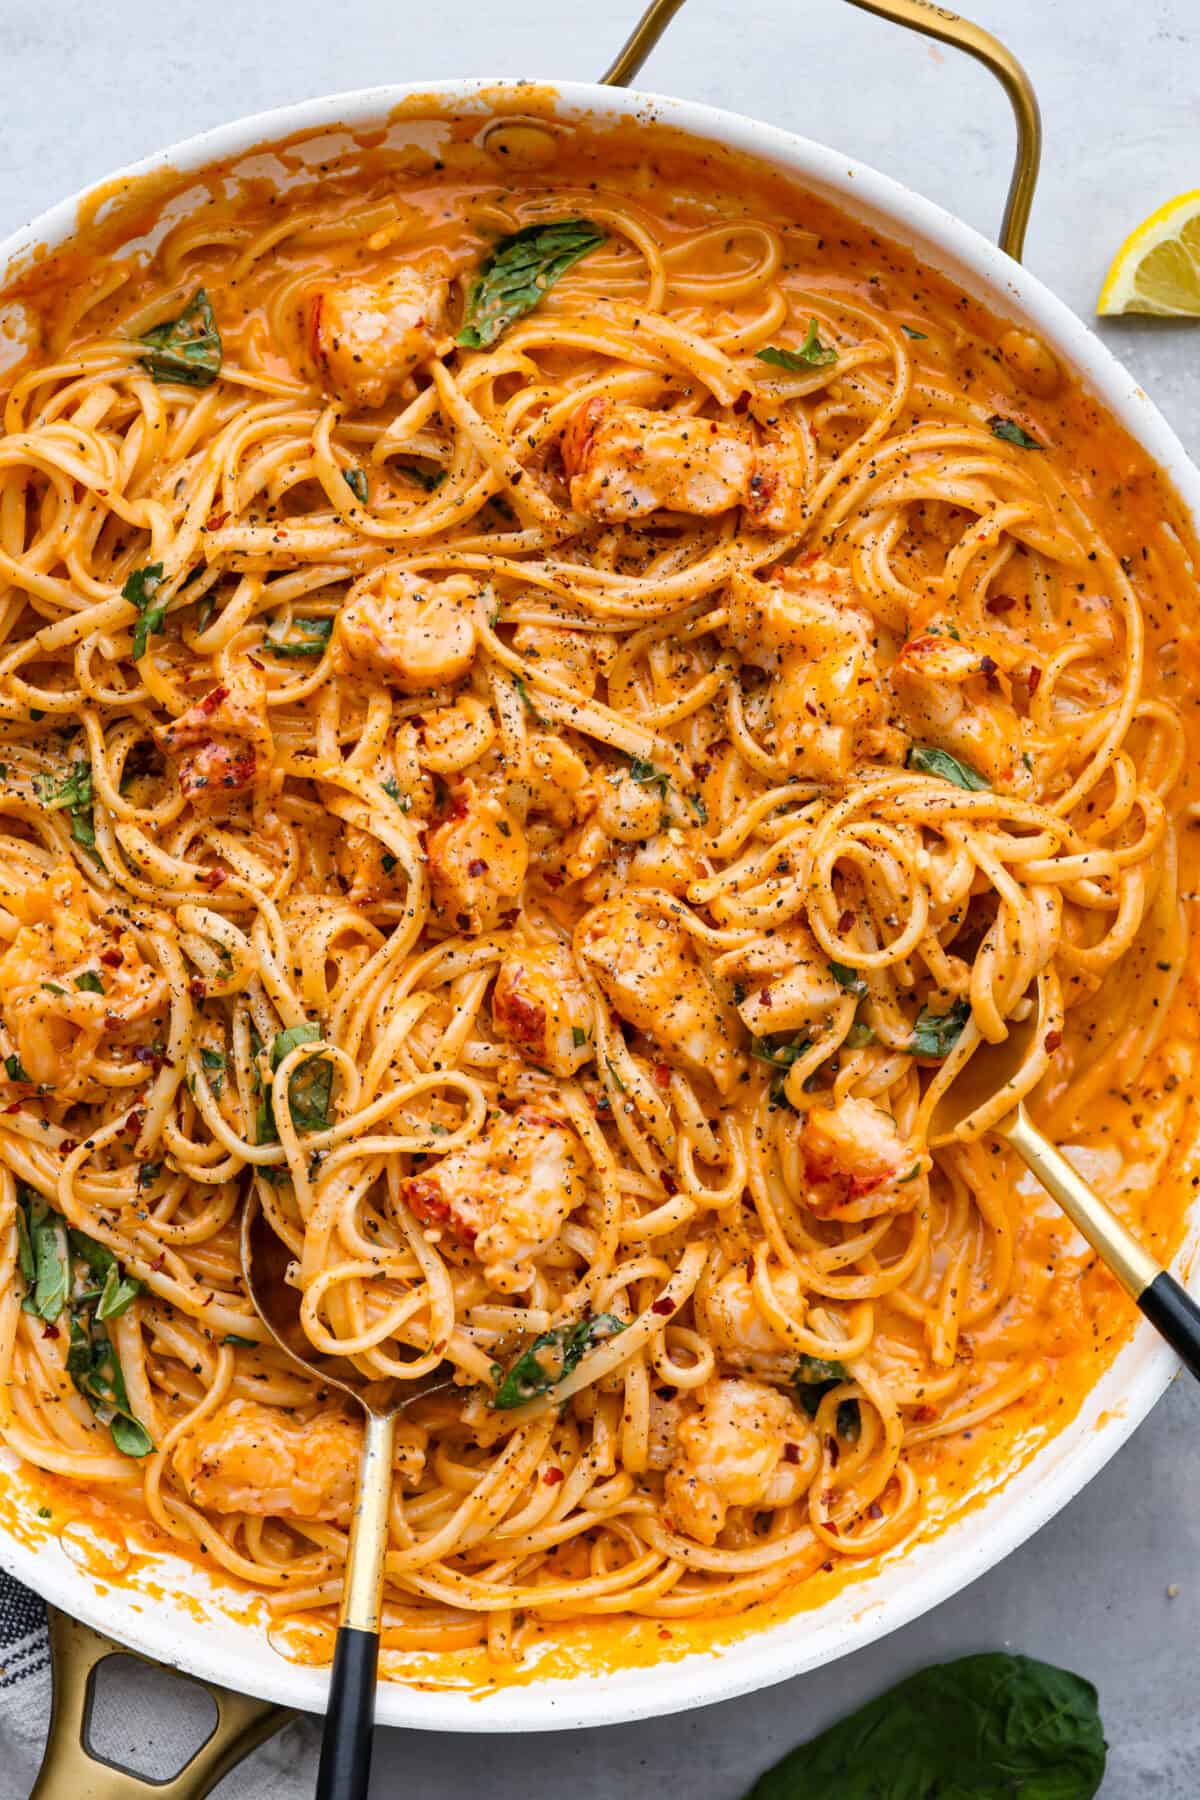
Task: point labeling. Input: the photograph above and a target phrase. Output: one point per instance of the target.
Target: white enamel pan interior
(195, 1634)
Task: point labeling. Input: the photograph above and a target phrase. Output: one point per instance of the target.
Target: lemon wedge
(1157, 268)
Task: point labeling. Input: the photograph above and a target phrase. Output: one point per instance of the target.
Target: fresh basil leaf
(356, 481)
(310, 1090)
(73, 794)
(612, 1069)
(239, 1343)
(140, 590)
(26, 1260)
(1012, 433)
(95, 1368)
(578, 1036)
(89, 982)
(52, 987)
(646, 775)
(98, 1257)
(935, 1034)
(812, 354)
(148, 1174)
(14, 1068)
(988, 1727)
(429, 479)
(932, 761)
(812, 1379)
(908, 331)
(779, 1054)
(518, 272)
(53, 1261)
(186, 349)
(552, 1356)
(118, 1294)
(130, 1436)
(848, 978)
(212, 1059)
(312, 641)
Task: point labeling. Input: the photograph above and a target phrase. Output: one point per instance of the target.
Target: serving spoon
(976, 1095)
(350, 1717)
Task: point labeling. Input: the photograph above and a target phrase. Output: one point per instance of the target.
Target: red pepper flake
(662, 1075)
(1000, 603)
(831, 1445)
(832, 1528)
(50, 1331)
(1052, 1040)
(134, 1122)
(663, 1307)
(215, 521)
(845, 922)
(742, 403)
(791, 1453)
(197, 989)
(1034, 678)
(552, 880)
(926, 1414)
(828, 1567)
(874, 1511)
(15, 1107)
(212, 878)
(669, 1182)
(112, 959)
(210, 701)
(159, 1263)
(476, 867)
(69, 1144)
(419, 720)
(552, 1477)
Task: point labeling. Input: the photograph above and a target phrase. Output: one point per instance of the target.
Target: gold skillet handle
(69, 1771)
(932, 21)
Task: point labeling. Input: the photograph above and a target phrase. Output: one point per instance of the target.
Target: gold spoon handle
(350, 1719)
(1168, 1305)
(931, 20)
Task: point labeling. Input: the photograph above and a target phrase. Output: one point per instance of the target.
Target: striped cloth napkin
(131, 1725)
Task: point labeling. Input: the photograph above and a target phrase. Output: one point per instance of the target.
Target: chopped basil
(519, 684)
(52, 987)
(903, 1180)
(118, 1293)
(95, 1368)
(935, 1034)
(975, 1729)
(89, 982)
(212, 1059)
(812, 354)
(850, 979)
(148, 1174)
(518, 271)
(73, 794)
(646, 775)
(186, 349)
(45, 1256)
(1012, 433)
(140, 590)
(356, 481)
(551, 1357)
(812, 1378)
(391, 787)
(239, 1343)
(908, 331)
(932, 761)
(429, 479)
(578, 1036)
(779, 1054)
(14, 1068)
(313, 639)
(612, 1069)
(695, 801)
(310, 1089)
(387, 862)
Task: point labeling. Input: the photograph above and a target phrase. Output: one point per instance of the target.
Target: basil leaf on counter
(535, 1372)
(517, 273)
(186, 349)
(988, 1727)
(932, 761)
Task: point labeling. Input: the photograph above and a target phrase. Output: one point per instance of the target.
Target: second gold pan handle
(931, 21)
(69, 1771)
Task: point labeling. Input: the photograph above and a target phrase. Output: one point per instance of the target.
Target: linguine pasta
(541, 723)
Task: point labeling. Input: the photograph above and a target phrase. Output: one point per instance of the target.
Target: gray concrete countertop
(88, 88)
